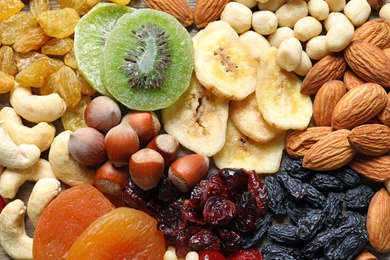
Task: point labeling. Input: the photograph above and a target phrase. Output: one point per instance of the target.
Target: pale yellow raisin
(7, 61)
(73, 118)
(39, 6)
(120, 2)
(35, 74)
(14, 27)
(23, 60)
(70, 59)
(86, 88)
(33, 39)
(6, 82)
(81, 6)
(9, 8)
(59, 23)
(57, 46)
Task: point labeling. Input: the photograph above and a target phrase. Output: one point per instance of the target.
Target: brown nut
(110, 179)
(167, 145)
(145, 123)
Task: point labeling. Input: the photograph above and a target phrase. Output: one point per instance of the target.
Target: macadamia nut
(238, 16)
(384, 12)
(339, 37)
(358, 11)
(281, 34)
(248, 3)
(316, 47)
(336, 5)
(289, 54)
(270, 5)
(305, 65)
(264, 22)
(306, 28)
(257, 44)
(289, 13)
(336, 19)
(319, 9)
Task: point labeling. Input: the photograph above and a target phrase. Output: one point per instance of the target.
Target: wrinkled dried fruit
(15, 26)
(31, 40)
(59, 23)
(9, 8)
(57, 46)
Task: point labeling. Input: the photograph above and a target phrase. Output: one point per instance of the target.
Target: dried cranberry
(235, 181)
(172, 219)
(166, 189)
(230, 240)
(204, 190)
(210, 255)
(245, 254)
(2, 203)
(132, 195)
(219, 210)
(247, 213)
(259, 190)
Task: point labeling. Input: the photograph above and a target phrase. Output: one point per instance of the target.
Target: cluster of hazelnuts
(132, 146)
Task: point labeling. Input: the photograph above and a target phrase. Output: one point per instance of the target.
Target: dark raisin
(296, 210)
(333, 209)
(235, 181)
(172, 219)
(276, 197)
(359, 197)
(349, 177)
(259, 190)
(284, 233)
(274, 251)
(314, 197)
(326, 182)
(295, 169)
(247, 213)
(316, 245)
(310, 225)
(347, 248)
(294, 187)
(258, 233)
(219, 210)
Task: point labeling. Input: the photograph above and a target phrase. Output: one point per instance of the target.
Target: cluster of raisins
(225, 212)
(325, 213)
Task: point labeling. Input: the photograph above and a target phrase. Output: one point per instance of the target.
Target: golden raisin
(23, 60)
(39, 6)
(57, 46)
(33, 39)
(73, 118)
(70, 59)
(6, 83)
(81, 6)
(14, 27)
(7, 61)
(120, 2)
(86, 88)
(35, 74)
(9, 8)
(65, 83)
(59, 23)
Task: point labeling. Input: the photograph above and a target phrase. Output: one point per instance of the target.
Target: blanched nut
(36, 108)
(238, 16)
(11, 179)
(316, 47)
(264, 22)
(336, 5)
(281, 34)
(170, 254)
(257, 44)
(64, 166)
(13, 237)
(289, 54)
(305, 65)
(336, 19)
(307, 28)
(41, 135)
(16, 157)
(340, 32)
(358, 11)
(248, 3)
(44, 191)
(289, 13)
(270, 5)
(318, 9)
(384, 12)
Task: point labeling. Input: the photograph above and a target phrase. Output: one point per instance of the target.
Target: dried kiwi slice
(148, 60)
(90, 37)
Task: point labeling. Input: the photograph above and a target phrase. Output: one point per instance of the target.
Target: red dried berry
(246, 254)
(210, 255)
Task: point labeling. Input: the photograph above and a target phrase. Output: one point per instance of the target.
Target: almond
(359, 105)
(368, 62)
(374, 168)
(298, 142)
(366, 256)
(378, 221)
(384, 115)
(325, 100)
(376, 31)
(331, 152)
(178, 8)
(370, 139)
(351, 80)
(206, 11)
(331, 67)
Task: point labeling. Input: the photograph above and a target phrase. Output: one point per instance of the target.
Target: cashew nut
(14, 156)
(44, 191)
(12, 179)
(13, 237)
(41, 135)
(36, 108)
(64, 166)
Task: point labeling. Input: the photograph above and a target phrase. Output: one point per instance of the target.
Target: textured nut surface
(376, 4)
(370, 139)
(178, 8)
(331, 152)
(206, 11)
(375, 31)
(298, 142)
(351, 80)
(359, 105)
(378, 221)
(374, 168)
(384, 115)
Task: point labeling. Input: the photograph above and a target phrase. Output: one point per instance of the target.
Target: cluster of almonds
(351, 118)
(132, 144)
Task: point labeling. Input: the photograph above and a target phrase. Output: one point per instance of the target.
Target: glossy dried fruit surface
(73, 118)
(7, 61)
(81, 6)
(123, 233)
(57, 46)
(39, 6)
(9, 8)
(36, 72)
(59, 23)
(31, 40)
(15, 26)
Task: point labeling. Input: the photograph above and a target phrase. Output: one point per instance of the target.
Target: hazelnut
(145, 123)
(121, 142)
(187, 171)
(86, 145)
(146, 168)
(102, 113)
(165, 144)
(110, 179)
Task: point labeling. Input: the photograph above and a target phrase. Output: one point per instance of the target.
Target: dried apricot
(123, 233)
(65, 219)
(59, 23)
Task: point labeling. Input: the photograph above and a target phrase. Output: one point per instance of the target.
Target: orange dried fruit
(65, 219)
(123, 233)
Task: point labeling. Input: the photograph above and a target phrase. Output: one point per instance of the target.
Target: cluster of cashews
(21, 148)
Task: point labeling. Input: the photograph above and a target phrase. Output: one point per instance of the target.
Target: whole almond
(375, 168)
(331, 67)
(325, 100)
(359, 105)
(351, 80)
(331, 152)
(178, 8)
(387, 52)
(378, 221)
(368, 62)
(370, 139)
(384, 115)
(206, 11)
(298, 142)
(366, 256)
(375, 31)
